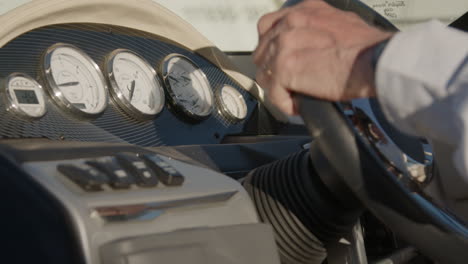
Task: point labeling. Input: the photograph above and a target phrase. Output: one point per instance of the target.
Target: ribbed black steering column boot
(305, 215)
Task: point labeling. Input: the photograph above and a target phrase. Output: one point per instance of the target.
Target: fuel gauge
(24, 96)
(231, 103)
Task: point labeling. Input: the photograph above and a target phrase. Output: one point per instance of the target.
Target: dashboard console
(107, 203)
(150, 91)
(118, 136)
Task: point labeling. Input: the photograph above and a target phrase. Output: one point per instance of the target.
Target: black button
(85, 176)
(165, 172)
(118, 177)
(137, 167)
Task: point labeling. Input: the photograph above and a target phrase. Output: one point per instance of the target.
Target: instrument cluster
(76, 84)
(84, 83)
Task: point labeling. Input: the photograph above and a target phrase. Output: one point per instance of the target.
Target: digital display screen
(80, 106)
(26, 97)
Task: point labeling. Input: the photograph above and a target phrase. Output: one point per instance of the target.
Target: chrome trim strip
(152, 210)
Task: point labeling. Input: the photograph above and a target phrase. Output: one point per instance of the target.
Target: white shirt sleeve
(422, 86)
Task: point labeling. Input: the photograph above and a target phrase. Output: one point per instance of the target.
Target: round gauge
(134, 84)
(188, 88)
(74, 80)
(231, 103)
(24, 96)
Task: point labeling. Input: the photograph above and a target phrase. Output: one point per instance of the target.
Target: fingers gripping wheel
(348, 139)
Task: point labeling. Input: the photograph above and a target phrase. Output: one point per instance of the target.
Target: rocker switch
(165, 172)
(137, 167)
(84, 175)
(118, 177)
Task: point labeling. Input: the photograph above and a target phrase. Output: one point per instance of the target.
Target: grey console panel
(206, 199)
(240, 244)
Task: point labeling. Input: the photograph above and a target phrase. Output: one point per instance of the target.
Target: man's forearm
(422, 86)
(420, 76)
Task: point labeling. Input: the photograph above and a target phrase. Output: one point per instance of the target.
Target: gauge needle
(132, 89)
(186, 80)
(151, 101)
(173, 78)
(69, 84)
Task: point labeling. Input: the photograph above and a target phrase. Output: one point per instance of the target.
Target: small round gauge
(24, 96)
(188, 88)
(74, 80)
(231, 103)
(135, 85)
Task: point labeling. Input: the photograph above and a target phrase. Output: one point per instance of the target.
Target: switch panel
(195, 197)
(165, 172)
(143, 175)
(118, 177)
(87, 177)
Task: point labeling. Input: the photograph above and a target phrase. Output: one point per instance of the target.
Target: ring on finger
(267, 70)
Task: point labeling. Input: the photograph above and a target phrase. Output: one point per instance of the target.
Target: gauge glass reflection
(25, 96)
(134, 84)
(188, 86)
(232, 103)
(75, 80)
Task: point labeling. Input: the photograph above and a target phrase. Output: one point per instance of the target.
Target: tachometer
(135, 85)
(74, 80)
(188, 87)
(231, 103)
(24, 96)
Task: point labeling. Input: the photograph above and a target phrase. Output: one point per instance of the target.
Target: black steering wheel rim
(357, 165)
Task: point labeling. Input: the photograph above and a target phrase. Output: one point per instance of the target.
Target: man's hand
(315, 49)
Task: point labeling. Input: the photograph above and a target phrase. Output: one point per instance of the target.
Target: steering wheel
(360, 161)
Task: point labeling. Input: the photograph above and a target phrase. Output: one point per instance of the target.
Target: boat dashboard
(54, 88)
(126, 138)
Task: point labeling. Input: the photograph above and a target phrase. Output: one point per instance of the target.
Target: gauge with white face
(74, 80)
(188, 88)
(135, 85)
(231, 103)
(24, 96)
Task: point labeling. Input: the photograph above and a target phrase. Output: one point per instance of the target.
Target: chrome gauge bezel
(116, 93)
(53, 89)
(171, 96)
(15, 107)
(224, 108)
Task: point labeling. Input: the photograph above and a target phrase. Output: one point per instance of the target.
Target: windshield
(404, 13)
(231, 24)
(7, 5)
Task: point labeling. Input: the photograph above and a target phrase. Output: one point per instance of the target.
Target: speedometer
(74, 80)
(188, 87)
(135, 85)
(231, 103)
